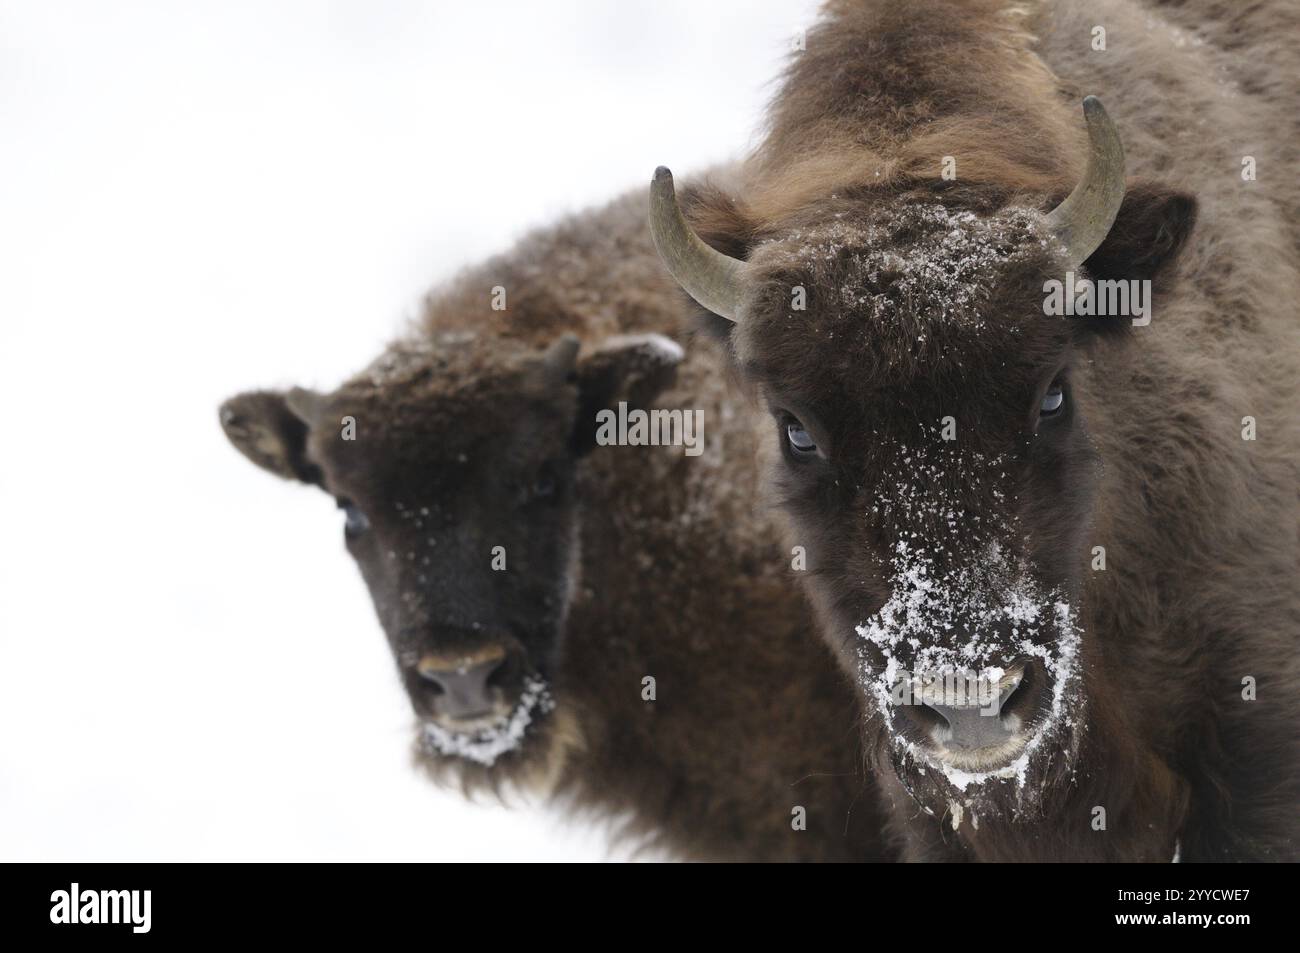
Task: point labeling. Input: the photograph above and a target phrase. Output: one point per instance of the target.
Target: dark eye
(355, 521)
(800, 441)
(1053, 400)
(546, 484)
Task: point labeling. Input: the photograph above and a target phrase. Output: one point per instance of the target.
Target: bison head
(935, 459)
(453, 462)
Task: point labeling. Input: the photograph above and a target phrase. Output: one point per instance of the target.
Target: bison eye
(355, 521)
(545, 485)
(1053, 400)
(800, 441)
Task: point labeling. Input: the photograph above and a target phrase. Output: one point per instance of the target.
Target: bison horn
(713, 279)
(1082, 221)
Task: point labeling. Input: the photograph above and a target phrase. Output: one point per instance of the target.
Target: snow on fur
(983, 592)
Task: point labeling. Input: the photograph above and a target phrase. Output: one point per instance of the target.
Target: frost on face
(486, 745)
(961, 603)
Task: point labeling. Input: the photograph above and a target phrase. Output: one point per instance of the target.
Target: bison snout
(465, 686)
(977, 725)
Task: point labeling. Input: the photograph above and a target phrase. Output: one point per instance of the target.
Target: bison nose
(976, 716)
(464, 682)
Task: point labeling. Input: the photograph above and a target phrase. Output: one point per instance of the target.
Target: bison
(610, 625)
(1057, 554)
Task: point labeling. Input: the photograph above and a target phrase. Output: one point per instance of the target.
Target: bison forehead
(915, 285)
(421, 387)
(443, 362)
(439, 414)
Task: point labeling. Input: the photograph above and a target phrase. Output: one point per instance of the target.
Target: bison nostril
(1024, 698)
(432, 679)
(923, 718)
(463, 684)
(1018, 693)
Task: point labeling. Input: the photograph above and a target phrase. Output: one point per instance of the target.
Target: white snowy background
(198, 198)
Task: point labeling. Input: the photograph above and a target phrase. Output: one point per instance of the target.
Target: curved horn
(1082, 221)
(713, 279)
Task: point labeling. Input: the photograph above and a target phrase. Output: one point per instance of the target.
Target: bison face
(453, 462)
(936, 467)
(935, 462)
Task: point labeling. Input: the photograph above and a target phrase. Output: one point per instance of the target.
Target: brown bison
(1058, 554)
(611, 625)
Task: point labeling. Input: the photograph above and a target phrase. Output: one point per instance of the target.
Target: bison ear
(1150, 230)
(1153, 225)
(635, 368)
(272, 434)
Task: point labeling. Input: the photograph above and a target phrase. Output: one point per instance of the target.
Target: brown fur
(1199, 526)
(678, 575)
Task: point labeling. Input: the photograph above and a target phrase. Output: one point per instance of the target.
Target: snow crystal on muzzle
(484, 746)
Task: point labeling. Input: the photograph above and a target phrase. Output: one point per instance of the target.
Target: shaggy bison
(1058, 554)
(609, 624)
